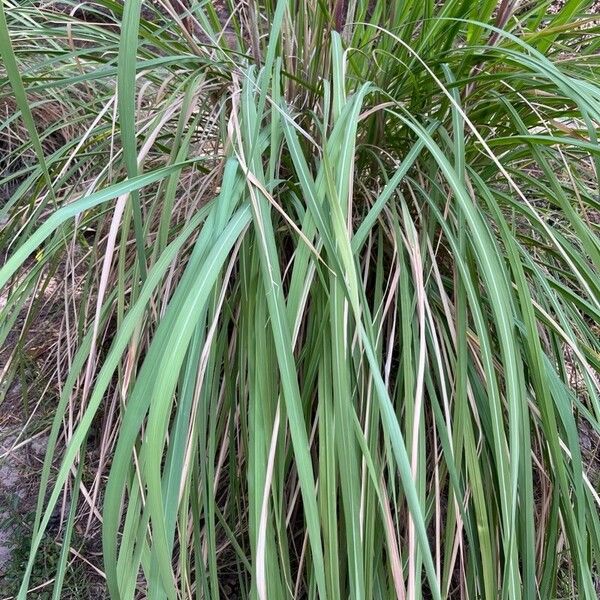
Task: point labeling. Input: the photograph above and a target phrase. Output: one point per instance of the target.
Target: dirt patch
(20, 462)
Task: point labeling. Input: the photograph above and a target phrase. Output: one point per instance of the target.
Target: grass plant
(330, 277)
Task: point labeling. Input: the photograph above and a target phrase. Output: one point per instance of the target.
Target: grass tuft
(331, 306)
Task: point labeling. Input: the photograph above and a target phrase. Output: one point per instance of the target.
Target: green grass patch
(332, 268)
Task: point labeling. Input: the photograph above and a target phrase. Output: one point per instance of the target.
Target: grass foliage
(329, 275)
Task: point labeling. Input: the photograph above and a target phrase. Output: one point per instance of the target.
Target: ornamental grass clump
(330, 318)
